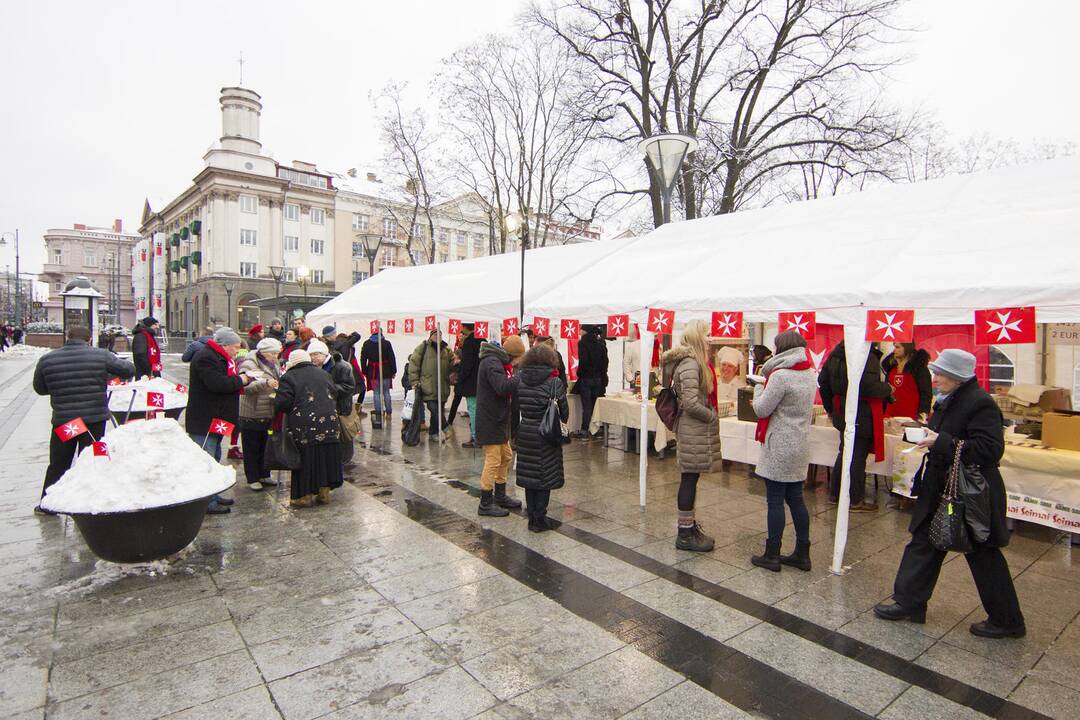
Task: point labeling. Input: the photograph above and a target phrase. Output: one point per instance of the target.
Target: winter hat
(255, 329)
(296, 357)
(955, 363)
(275, 320)
(226, 336)
(149, 321)
(730, 355)
(328, 330)
(269, 345)
(317, 346)
(514, 346)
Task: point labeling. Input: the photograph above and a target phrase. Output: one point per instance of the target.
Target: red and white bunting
(101, 449)
(661, 321)
(429, 323)
(571, 361)
(155, 400)
(454, 328)
(1005, 326)
(180, 388)
(374, 327)
(391, 326)
(890, 325)
(569, 329)
(480, 329)
(727, 324)
(618, 326)
(541, 326)
(70, 429)
(804, 323)
(510, 327)
(221, 427)
(408, 323)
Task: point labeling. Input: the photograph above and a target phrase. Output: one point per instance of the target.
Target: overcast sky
(106, 103)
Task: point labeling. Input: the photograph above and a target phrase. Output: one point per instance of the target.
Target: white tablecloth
(626, 412)
(737, 443)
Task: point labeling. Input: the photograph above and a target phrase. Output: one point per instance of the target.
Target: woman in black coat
(308, 397)
(963, 412)
(539, 465)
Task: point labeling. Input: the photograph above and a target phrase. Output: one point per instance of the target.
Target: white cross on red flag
(181, 388)
(480, 329)
(804, 323)
(541, 326)
(890, 325)
(221, 427)
(661, 321)
(571, 361)
(155, 400)
(101, 449)
(70, 429)
(374, 327)
(117, 381)
(618, 326)
(454, 327)
(1005, 326)
(408, 326)
(727, 324)
(429, 323)
(391, 326)
(569, 329)
(510, 327)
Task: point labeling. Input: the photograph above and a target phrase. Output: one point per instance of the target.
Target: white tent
(945, 248)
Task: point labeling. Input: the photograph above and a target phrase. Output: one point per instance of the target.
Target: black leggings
(454, 402)
(688, 491)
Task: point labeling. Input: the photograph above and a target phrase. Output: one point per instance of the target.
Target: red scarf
(509, 370)
(714, 399)
(763, 423)
(877, 419)
(230, 364)
(153, 352)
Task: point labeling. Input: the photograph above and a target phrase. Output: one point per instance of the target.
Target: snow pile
(121, 395)
(152, 463)
(23, 351)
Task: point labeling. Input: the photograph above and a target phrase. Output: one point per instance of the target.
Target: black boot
(896, 611)
(771, 559)
(800, 558)
(488, 507)
(503, 500)
(537, 524)
(694, 540)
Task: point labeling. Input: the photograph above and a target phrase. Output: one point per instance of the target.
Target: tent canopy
(486, 288)
(945, 247)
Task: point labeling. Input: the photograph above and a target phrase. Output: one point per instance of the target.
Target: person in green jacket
(431, 356)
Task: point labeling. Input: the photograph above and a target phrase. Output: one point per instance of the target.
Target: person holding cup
(963, 411)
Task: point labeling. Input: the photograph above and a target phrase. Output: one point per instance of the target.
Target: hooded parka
(539, 464)
(697, 429)
(495, 387)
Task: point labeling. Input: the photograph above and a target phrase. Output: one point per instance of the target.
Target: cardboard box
(1061, 430)
(1042, 396)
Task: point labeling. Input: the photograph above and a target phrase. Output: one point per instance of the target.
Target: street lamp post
(277, 272)
(302, 274)
(18, 289)
(372, 243)
(229, 287)
(513, 225)
(665, 154)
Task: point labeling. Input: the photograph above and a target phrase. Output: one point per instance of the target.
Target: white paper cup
(914, 434)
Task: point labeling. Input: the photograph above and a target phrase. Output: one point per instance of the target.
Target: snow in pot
(150, 464)
(120, 395)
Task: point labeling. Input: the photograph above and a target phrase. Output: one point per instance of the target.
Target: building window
(388, 257)
(249, 204)
(247, 237)
(443, 257)
(478, 245)
(317, 276)
(417, 233)
(89, 260)
(58, 286)
(388, 228)
(444, 236)
(358, 250)
(292, 212)
(359, 222)
(292, 243)
(1002, 370)
(461, 239)
(248, 270)
(316, 246)
(359, 276)
(288, 275)
(58, 256)
(318, 216)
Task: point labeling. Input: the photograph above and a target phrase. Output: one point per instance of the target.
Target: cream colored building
(102, 254)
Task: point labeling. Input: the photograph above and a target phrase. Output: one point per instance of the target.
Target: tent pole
(438, 376)
(645, 361)
(856, 351)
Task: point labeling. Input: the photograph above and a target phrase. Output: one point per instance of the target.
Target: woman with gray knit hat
(963, 412)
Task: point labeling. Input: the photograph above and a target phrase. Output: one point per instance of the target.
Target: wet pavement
(398, 601)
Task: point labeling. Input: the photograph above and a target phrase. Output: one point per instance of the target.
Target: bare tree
(768, 87)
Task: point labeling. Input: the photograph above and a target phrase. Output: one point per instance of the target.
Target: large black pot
(142, 535)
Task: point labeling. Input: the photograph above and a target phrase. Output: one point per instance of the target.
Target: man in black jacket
(214, 389)
(276, 330)
(591, 374)
(874, 392)
(380, 378)
(466, 385)
(75, 377)
(495, 384)
(144, 348)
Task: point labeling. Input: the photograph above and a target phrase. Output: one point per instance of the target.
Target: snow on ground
(150, 464)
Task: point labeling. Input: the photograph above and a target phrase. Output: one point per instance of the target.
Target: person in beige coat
(688, 369)
(257, 409)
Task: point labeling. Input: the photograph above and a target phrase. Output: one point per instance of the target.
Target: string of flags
(993, 326)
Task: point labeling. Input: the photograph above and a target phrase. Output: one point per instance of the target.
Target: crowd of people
(10, 336)
(308, 388)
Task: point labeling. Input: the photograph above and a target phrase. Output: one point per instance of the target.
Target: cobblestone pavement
(397, 601)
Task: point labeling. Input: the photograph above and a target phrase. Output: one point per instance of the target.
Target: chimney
(118, 225)
(352, 172)
(371, 177)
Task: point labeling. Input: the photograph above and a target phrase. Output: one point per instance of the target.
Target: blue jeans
(382, 399)
(212, 444)
(470, 402)
(778, 493)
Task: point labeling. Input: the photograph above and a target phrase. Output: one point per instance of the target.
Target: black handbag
(974, 492)
(410, 433)
(551, 423)
(948, 527)
(281, 452)
(667, 405)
